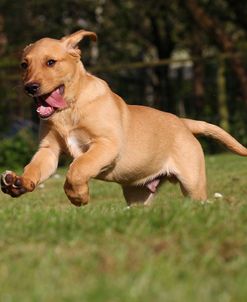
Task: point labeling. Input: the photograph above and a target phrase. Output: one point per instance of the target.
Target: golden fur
(135, 146)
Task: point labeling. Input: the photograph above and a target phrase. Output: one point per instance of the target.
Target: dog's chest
(76, 145)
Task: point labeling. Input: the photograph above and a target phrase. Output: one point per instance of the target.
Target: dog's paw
(15, 185)
(78, 195)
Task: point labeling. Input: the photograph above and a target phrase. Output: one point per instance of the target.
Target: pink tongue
(56, 100)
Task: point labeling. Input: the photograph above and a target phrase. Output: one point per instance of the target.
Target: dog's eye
(50, 63)
(24, 65)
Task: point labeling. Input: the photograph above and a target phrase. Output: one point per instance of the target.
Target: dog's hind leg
(137, 194)
(195, 190)
(192, 175)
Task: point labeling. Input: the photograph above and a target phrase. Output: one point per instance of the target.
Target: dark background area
(185, 57)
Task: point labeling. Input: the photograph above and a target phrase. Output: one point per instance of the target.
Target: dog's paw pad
(15, 185)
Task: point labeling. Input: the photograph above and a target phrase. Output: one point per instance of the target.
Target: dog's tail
(203, 128)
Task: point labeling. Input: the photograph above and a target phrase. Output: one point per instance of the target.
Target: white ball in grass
(218, 195)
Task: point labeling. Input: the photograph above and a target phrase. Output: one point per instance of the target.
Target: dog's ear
(26, 49)
(72, 41)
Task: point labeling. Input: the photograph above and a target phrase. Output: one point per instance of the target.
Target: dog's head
(49, 67)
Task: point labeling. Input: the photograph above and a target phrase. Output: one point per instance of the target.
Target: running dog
(135, 146)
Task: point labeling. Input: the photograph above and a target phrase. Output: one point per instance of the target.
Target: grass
(175, 250)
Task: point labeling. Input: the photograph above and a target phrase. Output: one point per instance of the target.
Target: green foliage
(132, 31)
(175, 250)
(16, 151)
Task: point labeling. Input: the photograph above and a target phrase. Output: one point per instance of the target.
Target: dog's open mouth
(47, 104)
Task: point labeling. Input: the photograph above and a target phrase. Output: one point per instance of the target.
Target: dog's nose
(32, 88)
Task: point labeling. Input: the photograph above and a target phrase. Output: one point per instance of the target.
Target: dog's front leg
(101, 155)
(42, 165)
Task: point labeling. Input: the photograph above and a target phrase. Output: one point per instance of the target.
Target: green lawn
(174, 250)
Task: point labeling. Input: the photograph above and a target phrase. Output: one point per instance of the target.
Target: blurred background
(185, 57)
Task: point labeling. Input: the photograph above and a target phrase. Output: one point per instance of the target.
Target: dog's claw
(7, 178)
(17, 184)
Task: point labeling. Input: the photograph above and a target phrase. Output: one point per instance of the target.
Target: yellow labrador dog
(135, 146)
